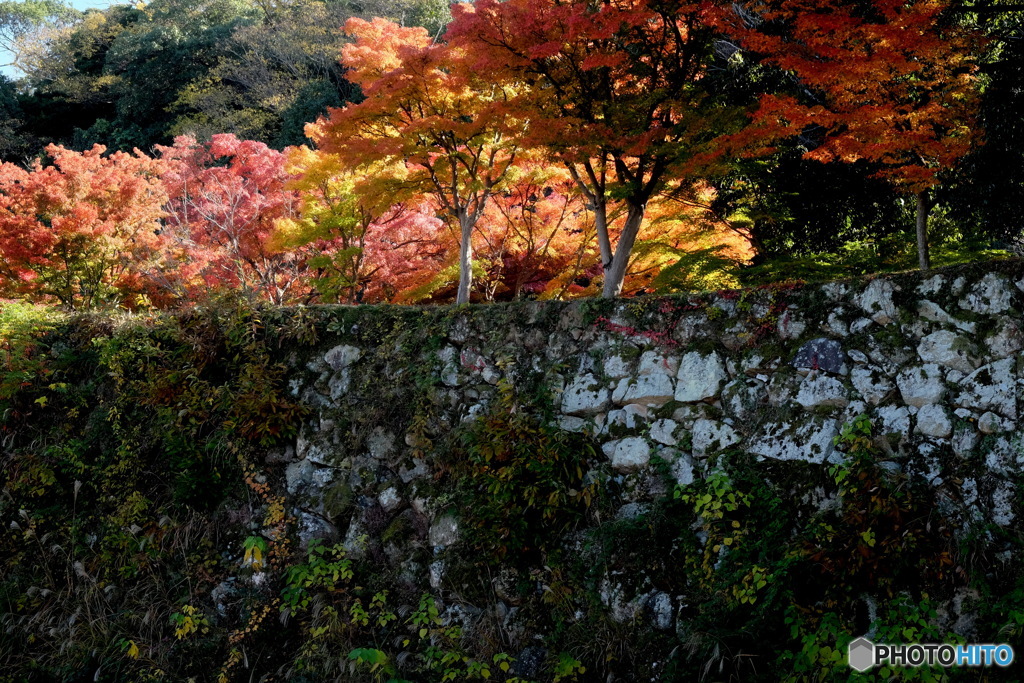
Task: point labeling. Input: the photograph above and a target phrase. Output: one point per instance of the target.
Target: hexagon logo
(861, 654)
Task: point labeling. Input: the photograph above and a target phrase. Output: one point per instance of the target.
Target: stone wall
(664, 488)
(935, 362)
(673, 391)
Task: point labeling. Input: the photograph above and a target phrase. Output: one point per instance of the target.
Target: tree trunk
(923, 208)
(603, 239)
(465, 257)
(596, 202)
(615, 274)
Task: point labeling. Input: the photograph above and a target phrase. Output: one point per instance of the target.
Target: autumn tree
(619, 92)
(405, 248)
(685, 245)
(536, 239)
(887, 82)
(358, 245)
(224, 200)
(83, 229)
(447, 130)
(536, 236)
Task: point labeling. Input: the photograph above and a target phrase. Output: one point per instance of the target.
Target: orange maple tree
(536, 237)
(441, 130)
(83, 229)
(614, 90)
(684, 245)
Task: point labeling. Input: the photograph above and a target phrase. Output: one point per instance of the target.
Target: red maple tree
(888, 82)
(224, 199)
(82, 229)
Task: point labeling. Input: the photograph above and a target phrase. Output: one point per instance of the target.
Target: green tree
(21, 20)
(68, 87)
(176, 42)
(277, 74)
(986, 193)
(114, 76)
(15, 143)
(134, 76)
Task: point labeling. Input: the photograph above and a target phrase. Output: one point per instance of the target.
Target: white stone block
(921, 385)
(700, 377)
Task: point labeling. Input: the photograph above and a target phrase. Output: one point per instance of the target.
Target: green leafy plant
(889, 532)
(718, 504)
(520, 481)
(325, 569)
(375, 662)
(190, 620)
(255, 552)
(23, 361)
